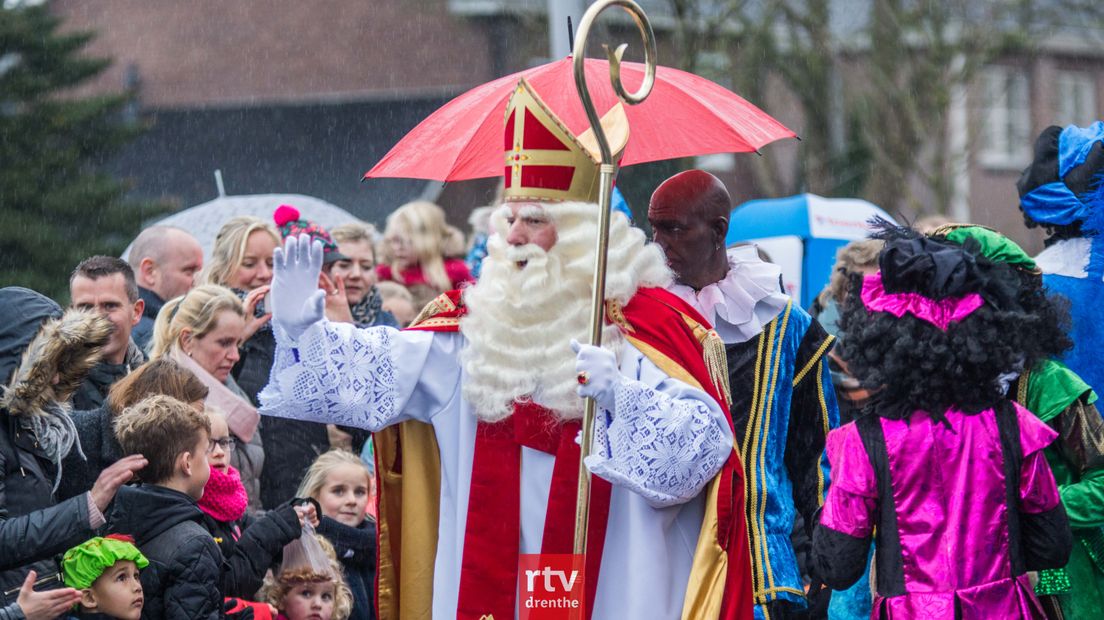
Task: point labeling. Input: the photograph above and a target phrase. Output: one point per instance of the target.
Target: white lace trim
(662, 448)
(343, 375)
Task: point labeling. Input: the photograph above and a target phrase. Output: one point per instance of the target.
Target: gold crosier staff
(608, 173)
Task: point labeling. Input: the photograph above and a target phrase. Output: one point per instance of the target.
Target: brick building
(292, 96)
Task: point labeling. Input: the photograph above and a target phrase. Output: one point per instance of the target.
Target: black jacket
(93, 391)
(250, 546)
(34, 528)
(101, 449)
(142, 334)
(184, 578)
(356, 549)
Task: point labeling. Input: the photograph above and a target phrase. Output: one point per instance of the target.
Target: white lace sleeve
(337, 373)
(663, 447)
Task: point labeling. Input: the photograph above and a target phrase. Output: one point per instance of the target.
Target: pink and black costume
(946, 474)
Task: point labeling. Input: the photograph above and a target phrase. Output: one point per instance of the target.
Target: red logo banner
(551, 587)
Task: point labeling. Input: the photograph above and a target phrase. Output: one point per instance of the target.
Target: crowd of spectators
(137, 478)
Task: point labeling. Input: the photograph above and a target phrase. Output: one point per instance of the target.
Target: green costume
(1059, 397)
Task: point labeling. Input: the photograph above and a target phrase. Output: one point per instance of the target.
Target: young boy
(184, 576)
(105, 570)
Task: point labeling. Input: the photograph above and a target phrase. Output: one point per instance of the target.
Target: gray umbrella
(205, 220)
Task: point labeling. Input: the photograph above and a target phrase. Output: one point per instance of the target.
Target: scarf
(55, 435)
(241, 416)
(366, 311)
(224, 498)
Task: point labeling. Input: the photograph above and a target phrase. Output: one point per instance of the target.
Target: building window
(1076, 98)
(1006, 113)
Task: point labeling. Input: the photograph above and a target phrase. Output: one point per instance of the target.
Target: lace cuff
(336, 374)
(663, 448)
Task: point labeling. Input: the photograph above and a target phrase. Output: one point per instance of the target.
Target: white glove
(297, 302)
(601, 374)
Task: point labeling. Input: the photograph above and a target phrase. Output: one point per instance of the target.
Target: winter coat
(101, 449)
(142, 334)
(251, 545)
(93, 391)
(34, 528)
(12, 612)
(356, 550)
(184, 578)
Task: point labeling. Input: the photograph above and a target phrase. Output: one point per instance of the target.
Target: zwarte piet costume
(1059, 397)
(944, 472)
(1062, 190)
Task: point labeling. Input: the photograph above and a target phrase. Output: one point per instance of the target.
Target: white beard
(520, 321)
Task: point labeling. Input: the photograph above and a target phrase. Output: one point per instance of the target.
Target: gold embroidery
(746, 446)
(768, 569)
(616, 314)
(824, 346)
(440, 304)
(824, 417)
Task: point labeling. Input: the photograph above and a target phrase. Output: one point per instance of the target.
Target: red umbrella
(685, 115)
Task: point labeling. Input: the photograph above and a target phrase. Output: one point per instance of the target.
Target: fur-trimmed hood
(54, 362)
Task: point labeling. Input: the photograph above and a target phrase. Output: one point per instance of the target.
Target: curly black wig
(912, 365)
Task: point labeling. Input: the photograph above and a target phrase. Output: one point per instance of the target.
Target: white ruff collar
(748, 297)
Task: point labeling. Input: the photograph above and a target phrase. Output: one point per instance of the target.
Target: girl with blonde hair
(202, 330)
(340, 483)
(415, 240)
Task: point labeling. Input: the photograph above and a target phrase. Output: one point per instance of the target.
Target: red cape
(675, 337)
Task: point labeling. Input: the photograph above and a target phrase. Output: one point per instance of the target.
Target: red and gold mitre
(544, 160)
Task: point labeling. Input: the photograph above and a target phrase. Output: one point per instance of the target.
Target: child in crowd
(304, 592)
(184, 576)
(250, 545)
(105, 570)
(398, 301)
(341, 484)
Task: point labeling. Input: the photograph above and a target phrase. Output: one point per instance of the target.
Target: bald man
(165, 260)
(783, 403)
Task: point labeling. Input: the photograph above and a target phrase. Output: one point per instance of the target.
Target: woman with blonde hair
(416, 240)
(242, 261)
(202, 330)
(357, 269)
(242, 256)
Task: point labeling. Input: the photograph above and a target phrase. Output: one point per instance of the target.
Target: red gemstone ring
(583, 378)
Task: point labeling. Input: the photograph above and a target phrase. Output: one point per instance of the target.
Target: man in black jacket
(165, 260)
(36, 434)
(106, 285)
